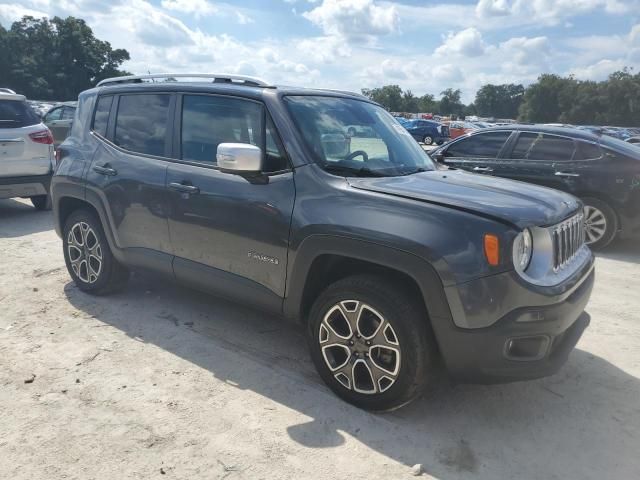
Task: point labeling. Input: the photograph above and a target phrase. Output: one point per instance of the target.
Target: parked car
(457, 129)
(59, 120)
(602, 171)
(633, 140)
(253, 192)
(427, 131)
(26, 152)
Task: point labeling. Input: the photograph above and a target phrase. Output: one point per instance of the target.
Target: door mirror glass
(240, 158)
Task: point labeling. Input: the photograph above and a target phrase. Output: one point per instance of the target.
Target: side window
(483, 145)
(68, 113)
(54, 114)
(540, 146)
(101, 118)
(141, 123)
(208, 121)
(588, 151)
(276, 159)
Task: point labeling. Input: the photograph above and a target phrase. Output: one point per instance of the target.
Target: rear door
(128, 171)
(541, 158)
(477, 153)
(229, 230)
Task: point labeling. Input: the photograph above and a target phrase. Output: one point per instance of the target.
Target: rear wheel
(41, 202)
(600, 223)
(370, 343)
(427, 140)
(88, 257)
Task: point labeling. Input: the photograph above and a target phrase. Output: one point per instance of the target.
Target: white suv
(26, 152)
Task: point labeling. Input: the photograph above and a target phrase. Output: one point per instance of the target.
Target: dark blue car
(427, 131)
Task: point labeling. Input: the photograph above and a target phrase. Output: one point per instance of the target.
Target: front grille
(568, 238)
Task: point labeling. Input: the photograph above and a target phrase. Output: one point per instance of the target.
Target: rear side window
(208, 121)
(68, 113)
(17, 114)
(539, 146)
(141, 123)
(54, 114)
(588, 151)
(483, 145)
(101, 119)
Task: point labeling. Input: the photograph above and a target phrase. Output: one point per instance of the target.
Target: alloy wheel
(595, 224)
(85, 252)
(360, 347)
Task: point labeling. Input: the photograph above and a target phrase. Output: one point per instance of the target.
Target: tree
(499, 101)
(428, 104)
(410, 103)
(389, 96)
(450, 103)
(55, 59)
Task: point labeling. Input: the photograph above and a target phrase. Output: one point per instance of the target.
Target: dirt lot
(161, 381)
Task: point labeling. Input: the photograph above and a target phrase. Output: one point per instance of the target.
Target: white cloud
(466, 43)
(243, 19)
(199, 8)
(492, 8)
(11, 12)
(354, 19)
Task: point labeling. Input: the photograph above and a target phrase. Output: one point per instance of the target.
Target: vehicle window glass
(101, 118)
(483, 145)
(276, 159)
(17, 114)
(68, 113)
(54, 114)
(208, 121)
(588, 151)
(539, 146)
(141, 123)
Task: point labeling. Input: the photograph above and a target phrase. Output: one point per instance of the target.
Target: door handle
(181, 187)
(566, 174)
(105, 170)
(482, 169)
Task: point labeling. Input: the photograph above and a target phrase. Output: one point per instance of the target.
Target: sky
(424, 46)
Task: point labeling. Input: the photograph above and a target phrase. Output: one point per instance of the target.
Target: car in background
(457, 128)
(26, 152)
(59, 120)
(482, 124)
(634, 140)
(602, 171)
(427, 131)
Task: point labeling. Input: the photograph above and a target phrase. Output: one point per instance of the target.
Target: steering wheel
(358, 153)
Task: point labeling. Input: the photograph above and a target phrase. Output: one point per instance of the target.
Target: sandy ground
(161, 381)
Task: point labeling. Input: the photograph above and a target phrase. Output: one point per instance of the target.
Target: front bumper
(13, 187)
(486, 355)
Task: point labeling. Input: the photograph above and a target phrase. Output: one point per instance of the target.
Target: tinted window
(539, 146)
(588, 151)
(141, 124)
(68, 113)
(208, 121)
(483, 145)
(101, 120)
(54, 114)
(16, 114)
(276, 159)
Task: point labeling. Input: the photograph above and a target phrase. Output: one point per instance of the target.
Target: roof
(564, 131)
(12, 96)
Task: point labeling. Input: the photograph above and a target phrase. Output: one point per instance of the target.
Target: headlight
(522, 250)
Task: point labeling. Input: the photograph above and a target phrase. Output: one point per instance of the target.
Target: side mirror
(239, 158)
(439, 157)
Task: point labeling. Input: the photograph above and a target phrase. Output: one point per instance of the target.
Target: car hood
(518, 203)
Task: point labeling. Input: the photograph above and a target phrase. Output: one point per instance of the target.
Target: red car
(457, 128)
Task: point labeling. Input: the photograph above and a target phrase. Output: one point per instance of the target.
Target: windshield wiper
(351, 171)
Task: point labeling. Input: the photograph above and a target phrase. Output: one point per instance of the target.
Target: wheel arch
(603, 198)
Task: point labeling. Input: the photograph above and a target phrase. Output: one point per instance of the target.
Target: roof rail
(172, 77)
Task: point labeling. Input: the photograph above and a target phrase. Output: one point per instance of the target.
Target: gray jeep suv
(255, 193)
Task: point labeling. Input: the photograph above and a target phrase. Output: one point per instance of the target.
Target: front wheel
(600, 223)
(88, 257)
(370, 342)
(427, 140)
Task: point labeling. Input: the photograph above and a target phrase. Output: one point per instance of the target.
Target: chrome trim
(225, 77)
(567, 239)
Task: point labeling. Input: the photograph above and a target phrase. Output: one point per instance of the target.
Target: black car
(256, 193)
(602, 171)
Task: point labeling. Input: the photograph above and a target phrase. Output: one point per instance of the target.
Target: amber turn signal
(492, 249)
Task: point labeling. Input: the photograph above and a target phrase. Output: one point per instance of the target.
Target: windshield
(351, 137)
(16, 114)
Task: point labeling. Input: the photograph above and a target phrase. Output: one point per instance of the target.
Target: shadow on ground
(35, 220)
(581, 423)
(622, 250)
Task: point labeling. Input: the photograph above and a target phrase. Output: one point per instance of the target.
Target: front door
(227, 230)
(477, 153)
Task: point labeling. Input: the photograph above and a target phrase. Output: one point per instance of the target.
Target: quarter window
(483, 145)
(588, 151)
(54, 114)
(208, 121)
(540, 146)
(68, 113)
(141, 124)
(101, 119)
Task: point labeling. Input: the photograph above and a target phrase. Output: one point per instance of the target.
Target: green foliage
(450, 103)
(615, 101)
(55, 59)
(499, 101)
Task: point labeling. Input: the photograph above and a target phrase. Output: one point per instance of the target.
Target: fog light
(527, 348)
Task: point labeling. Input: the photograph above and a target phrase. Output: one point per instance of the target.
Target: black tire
(417, 351)
(41, 202)
(111, 275)
(610, 217)
(427, 140)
